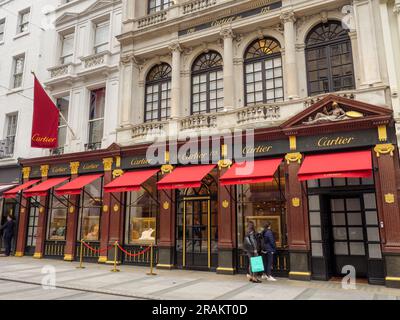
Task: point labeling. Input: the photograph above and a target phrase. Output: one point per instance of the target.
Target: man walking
(8, 234)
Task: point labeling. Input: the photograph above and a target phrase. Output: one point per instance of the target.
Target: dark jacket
(8, 229)
(250, 243)
(269, 244)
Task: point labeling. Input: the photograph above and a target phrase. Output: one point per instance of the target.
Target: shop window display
(90, 212)
(57, 222)
(141, 211)
(262, 203)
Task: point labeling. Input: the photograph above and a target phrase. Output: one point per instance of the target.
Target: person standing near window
(8, 234)
(268, 251)
(251, 248)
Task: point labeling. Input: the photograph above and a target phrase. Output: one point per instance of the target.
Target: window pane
(370, 201)
(313, 203)
(317, 250)
(375, 251)
(373, 234)
(316, 234)
(341, 248)
(356, 234)
(357, 248)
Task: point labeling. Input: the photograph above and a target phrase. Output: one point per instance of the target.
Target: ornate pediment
(335, 109)
(99, 5)
(68, 16)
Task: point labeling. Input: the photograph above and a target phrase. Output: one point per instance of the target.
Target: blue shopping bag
(257, 264)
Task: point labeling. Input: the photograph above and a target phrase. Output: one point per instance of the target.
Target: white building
(83, 70)
(361, 37)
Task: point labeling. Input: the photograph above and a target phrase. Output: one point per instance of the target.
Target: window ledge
(15, 90)
(22, 34)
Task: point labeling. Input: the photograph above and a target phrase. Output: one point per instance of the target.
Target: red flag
(45, 120)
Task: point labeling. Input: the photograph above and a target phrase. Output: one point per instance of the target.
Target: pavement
(22, 279)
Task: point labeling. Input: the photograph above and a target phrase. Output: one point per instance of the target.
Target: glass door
(350, 245)
(33, 220)
(196, 233)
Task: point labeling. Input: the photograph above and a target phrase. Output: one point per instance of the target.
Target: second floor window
(159, 5)
(158, 93)
(101, 37)
(63, 106)
(207, 83)
(23, 21)
(67, 50)
(2, 27)
(263, 72)
(329, 59)
(11, 123)
(96, 118)
(18, 71)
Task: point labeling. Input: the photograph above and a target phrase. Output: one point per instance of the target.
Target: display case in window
(142, 231)
(91, 228)
(57, 226)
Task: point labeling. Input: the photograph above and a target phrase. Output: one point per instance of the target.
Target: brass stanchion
(81, 257)
(151, 273)
(115, 257)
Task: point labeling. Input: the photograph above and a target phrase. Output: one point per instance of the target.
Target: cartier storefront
(327, 180)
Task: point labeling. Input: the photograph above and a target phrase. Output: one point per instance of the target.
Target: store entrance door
(349, 235)
(194, 233)
(31, 234)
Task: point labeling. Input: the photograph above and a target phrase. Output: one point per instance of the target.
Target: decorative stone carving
(332, 114)
(74, 167)
(383, 149)
(293, 157)
(44, 170)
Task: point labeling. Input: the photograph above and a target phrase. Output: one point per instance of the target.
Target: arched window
(207, 83)
(263, 72)
(158, 5)
(158, 93)
(329, 59)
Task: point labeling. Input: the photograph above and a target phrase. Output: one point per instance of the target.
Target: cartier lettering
(339, 141)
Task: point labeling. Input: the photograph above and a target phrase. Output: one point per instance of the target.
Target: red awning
(42, 188)
(185, 177)
(250, 172)
(356, 164)
(11, 194)
(76, 185)
(130, 181)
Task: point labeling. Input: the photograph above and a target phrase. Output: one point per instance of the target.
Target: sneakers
(271, 278)
(264, 277)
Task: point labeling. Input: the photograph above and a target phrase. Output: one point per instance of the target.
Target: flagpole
(62, 116)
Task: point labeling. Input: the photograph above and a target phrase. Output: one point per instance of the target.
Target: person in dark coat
(268, 250)
(251, 248)
(8, 234)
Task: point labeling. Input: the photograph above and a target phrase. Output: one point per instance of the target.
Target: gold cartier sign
(92, 166)
(138, 162)
(339, 141)
(256, 150)
(59, 170)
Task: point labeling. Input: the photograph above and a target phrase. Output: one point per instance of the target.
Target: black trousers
(268, 262)
(7, 245)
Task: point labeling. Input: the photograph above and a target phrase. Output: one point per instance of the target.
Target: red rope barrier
(133, 255)
(96, 250)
